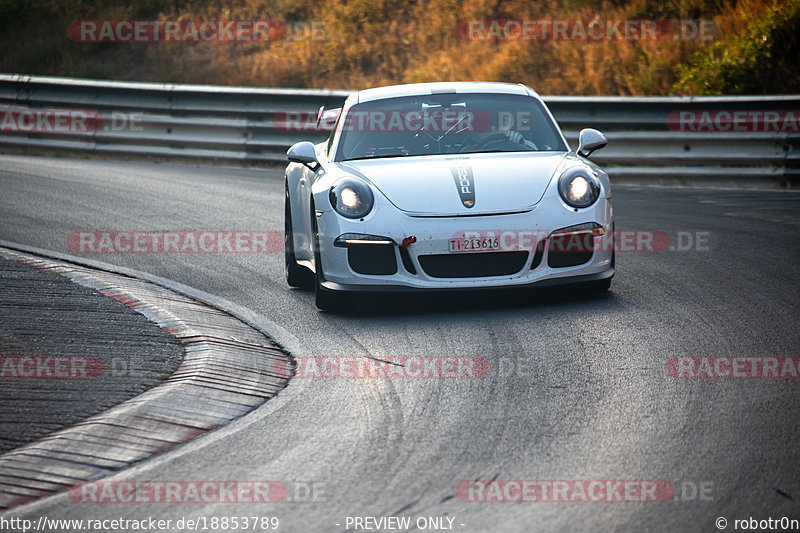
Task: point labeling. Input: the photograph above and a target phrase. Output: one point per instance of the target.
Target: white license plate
(480, 244)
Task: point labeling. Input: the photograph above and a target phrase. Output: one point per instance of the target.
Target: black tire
(296, 275)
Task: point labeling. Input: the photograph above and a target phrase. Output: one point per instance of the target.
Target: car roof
(414, 89)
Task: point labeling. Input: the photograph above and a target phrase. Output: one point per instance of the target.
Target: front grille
(570, 249)
(372, 259)
(473, 265)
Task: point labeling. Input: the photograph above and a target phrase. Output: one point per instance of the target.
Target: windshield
(446, 124)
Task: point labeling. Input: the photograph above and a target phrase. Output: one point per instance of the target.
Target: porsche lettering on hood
(465, 184)
(484, 183)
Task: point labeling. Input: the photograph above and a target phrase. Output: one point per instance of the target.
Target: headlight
(351, 198)
(578, 187)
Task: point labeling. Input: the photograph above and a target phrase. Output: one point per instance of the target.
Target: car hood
(461, 185)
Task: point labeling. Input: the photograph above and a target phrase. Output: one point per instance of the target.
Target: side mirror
(590, 140)
(303, 153)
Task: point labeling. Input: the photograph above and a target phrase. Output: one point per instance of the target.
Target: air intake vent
(473, 265)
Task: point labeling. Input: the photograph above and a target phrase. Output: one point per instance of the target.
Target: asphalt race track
(578, 387)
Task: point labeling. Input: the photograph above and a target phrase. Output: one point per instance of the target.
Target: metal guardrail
(235, 124)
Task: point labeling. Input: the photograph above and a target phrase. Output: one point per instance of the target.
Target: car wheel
(296, 275)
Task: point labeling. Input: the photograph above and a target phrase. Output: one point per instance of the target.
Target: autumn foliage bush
(379, 42)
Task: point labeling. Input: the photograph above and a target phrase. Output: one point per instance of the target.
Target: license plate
(480, 244)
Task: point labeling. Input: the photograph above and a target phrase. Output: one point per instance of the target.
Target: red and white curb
(228, 370)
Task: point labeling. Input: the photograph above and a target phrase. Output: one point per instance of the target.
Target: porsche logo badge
(465, 183)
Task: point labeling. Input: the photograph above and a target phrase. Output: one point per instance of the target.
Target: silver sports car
(446, 186)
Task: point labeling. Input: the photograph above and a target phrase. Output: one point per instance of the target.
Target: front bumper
(433, 236)
(549, 282)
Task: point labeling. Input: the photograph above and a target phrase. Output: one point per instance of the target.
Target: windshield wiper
(374, 157)
(492, 151)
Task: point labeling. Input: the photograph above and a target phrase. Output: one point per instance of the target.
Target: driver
(505, 126)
